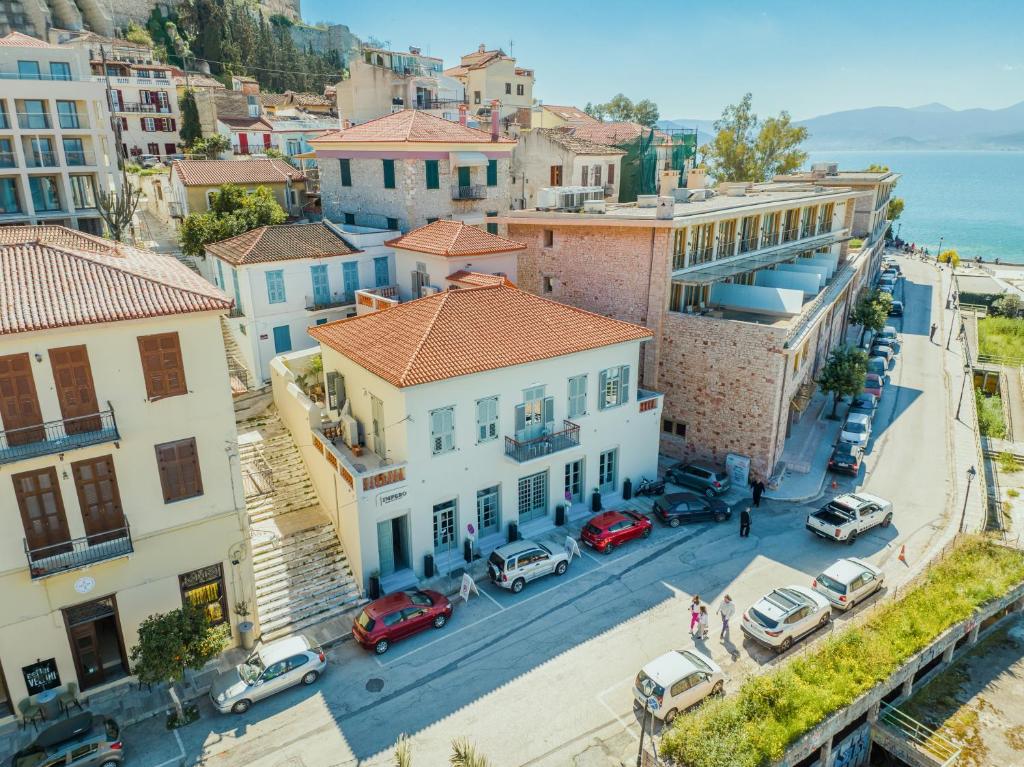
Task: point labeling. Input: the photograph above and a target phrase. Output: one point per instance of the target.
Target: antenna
(511, 42)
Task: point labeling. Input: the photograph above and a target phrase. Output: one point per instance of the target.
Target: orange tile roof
(250, 171)
(571, 113)
(51, 277)
(453, 238)
(413, 126)
(466, 331)
(19, 40)
(284, 242)
(478, 279)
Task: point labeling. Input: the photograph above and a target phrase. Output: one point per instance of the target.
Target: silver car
(512, 565)
(784, 615)
(273, 667)
(84, 740)
(848, 582)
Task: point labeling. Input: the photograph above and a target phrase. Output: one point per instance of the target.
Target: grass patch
(157, 171)
(1013, 492)
(855, 243)
(990, 415)
(1001, 337)
(770, 711)
(1007, 463)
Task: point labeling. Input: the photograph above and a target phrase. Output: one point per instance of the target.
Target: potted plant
(245, 627)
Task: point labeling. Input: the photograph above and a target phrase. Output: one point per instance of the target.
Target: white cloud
(1012, 67)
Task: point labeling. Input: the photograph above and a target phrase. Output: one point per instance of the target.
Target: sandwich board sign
(468, 585)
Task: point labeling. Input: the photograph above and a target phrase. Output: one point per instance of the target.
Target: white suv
(848, 582)
(677, 680)
(512, 565)
(785, 615)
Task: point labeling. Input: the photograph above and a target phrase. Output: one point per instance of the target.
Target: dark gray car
(84, 740)
(709, 481)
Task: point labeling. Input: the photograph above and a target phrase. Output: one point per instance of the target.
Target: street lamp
(967, 372)
(898, 227)
(971, 474)
(939, 252)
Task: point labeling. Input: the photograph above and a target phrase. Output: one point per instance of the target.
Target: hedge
(771, 711)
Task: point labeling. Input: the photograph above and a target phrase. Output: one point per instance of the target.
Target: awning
(468, 159)
(310, 155)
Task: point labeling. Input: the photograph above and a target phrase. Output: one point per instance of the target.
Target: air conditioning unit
(594, 206)
(567, 197)
(647, 200)
(428, 290)
(349, 430)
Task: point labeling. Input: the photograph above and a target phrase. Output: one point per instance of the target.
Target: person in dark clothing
(745, 523)
(758, 488)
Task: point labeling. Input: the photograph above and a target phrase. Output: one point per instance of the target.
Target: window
(536, 415)
(476, 97)
(74, 151)
(607, 468)
(556, 175)
(444, 526)
(178, 464)
(83, 191)
(349, 218)
(597, 175)
(204, 588)
(81, 752)
(520, 89)
(673, 427)
(220, 274)
(577, 396)
(28, 70)
(321, 286)
(549, 238)
(393, 224)
(35, 114)
(67, 114)
(9, 202)
(442, 430)
(486, 419)
(492, 228)
(149, 124)
(611, 173)
(584, 175)
(162, 365)
(275, 286)
(433, 177)
(346, 172)
(508, 89)
(492, 173)
(614, 387)
(389, 174)
(488, 514)
(533, 497)
(381, 271)
(60, 70)
(44, 193)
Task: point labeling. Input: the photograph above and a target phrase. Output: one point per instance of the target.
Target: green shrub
(158, 171)
(772, 710)
(131, 167)
(856, 243)
(1008, 463)
(1001, 337)
(990, 415)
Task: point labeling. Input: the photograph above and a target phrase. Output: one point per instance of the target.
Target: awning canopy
(716, 271)
(468, 159)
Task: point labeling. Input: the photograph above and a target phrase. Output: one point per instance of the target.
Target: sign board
(41, 676)
(468, 585)
(392, 496)
(85, 584)
(738, 468)
(571, 547)
(652, 703)
(647, 688)
(264, 337)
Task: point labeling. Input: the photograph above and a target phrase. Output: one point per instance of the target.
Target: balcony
(58, 436)
(76, 158)
(545, 444)
(319, 303)
(34, 120)
(472, 192)
(42, 159)
(37, 76)
(437, 103)
(152, 109)
(79, 552)
(72, 121)
(648, 400)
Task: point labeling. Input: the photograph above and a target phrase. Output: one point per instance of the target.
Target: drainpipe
(495, 104)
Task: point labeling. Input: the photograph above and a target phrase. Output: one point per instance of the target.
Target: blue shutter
(350, 279)
(275, 287)
(321, 286)
(282, 339)
(624, 385)
(433, 177)
(492, 173)
(389, 174)
(220, 274)
(238, 292)
(381, 273)
(346, 172)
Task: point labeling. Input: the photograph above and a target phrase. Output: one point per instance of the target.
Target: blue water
(974, 201)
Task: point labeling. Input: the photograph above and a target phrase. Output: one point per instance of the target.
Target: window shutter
(584, 176)
(162, 365)
(346, 172)
(492, 173)
(332, 391)
(611, 173)
(624, 384)
(165, 464)
(433, 177)
(602, 390)
(520, 419)
(449, 428)
(389, 174)
(174, 124)
(549, 410)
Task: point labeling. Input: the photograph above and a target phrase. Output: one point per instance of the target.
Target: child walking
(704, 622)
(694, 612)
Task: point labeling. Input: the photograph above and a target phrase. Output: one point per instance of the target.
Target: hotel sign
(394, 495)
(389, 477)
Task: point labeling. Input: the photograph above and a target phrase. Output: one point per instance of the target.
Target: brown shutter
(162, 365)
(584, 176)
(611, 173)
(178, 464)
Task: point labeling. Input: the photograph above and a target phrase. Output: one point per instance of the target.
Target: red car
(873, 384)
(613, 528)
(399, 615)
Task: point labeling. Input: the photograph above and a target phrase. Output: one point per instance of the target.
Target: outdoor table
(47, 701)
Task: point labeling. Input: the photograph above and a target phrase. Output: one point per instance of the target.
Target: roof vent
(647, 201)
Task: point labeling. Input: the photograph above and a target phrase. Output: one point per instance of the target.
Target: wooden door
(19, 405)
(85, 646)
(243, 143)
(99, 499)
(42, 512)
(76, 393)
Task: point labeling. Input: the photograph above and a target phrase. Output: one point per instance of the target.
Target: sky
(808, 57)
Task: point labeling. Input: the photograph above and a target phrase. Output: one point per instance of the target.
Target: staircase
(301, 571)
(238, 374)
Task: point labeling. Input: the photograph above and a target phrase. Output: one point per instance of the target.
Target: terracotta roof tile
(410, 125)
(20, 40)
(284, 242)
(453, 238)
(570, 113)
(273, 99)
(460, 332)
(52, 279)
(567, 139)
(250, 171)
(478, 279)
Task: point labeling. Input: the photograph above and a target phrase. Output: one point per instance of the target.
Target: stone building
(547, 157)
(409, 168)
(745, 291)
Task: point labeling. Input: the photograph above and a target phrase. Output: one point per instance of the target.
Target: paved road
(544, 677)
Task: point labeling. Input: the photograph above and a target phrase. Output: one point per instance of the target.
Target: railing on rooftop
(77, 158)
(235, 312)
(156, 109)
(437, 103)
(333, 301)
(930, 742)
(44, 561)
(39, 76)
(58, 436)
(471, 192)
(546, 444)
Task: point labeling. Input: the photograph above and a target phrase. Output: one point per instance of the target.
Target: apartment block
(57, 148)
(491, 76)
(120, 490)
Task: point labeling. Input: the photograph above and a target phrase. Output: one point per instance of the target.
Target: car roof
(608, 518)
(387, 604)
(673, 666)
(516, 547)
(72, 729)
(847, 447)
(844, 570)
(280, 649)
(674, 498)
(858, 418)
(781, 602)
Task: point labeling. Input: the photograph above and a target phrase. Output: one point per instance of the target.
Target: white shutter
(602, 390)
(624, 385)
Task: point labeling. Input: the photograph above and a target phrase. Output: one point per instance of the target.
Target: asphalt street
(544, 677)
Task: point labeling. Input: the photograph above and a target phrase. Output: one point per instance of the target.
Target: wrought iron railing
(56, 558)
(317, 303)
(236, 311)
(257, 477)
(238, 371)
(156, 109)
(546, 444)
(471, 192)
(58, 436)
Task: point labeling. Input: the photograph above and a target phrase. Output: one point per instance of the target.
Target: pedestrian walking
(759, 489)
(694, 612)
(726, 610)
(931, 336)
(704, 622)
(745, 522)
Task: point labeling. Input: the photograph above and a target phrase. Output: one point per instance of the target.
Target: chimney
(495, 111)
(462, 115)
(346, 124)
(482, 48)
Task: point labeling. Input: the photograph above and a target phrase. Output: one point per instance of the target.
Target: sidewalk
(806, 452)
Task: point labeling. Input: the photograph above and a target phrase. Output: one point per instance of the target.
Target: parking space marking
(624, 724)
(483, 591)
(181, 753)
(589, 556)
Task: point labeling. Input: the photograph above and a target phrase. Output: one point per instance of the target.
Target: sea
(974, 201)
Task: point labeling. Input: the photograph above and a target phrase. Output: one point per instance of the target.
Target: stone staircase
(301, 571)
(237, 372)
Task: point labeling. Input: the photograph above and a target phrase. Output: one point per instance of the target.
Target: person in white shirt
(727, 609)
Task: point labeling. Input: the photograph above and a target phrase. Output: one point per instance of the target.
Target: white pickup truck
(847, 516)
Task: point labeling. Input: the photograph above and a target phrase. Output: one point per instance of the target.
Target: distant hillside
(929, 126)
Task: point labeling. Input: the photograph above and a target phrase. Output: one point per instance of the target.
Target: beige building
(57, 148)
(554, 157)
(192, 182)
(554, 116)
(490, 76)
(121, 492)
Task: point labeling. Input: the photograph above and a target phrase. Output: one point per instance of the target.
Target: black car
(676, 508)
(896, 310)
(846, 458)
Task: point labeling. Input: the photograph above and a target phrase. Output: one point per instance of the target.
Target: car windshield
(642, 677)
(696, 661)
(250, 670)
(855, 428)
(365, 621)
(759, 617)
(496, 560)
(420, 599)
(544, 548)
(832, 584)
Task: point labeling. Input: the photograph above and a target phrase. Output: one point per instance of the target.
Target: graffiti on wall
(853, 750)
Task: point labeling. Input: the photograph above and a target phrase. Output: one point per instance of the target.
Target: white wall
(439, 267)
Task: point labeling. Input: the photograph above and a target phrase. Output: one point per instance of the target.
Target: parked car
(865, 404)
(896, 310)
(891, 265)
(846, 458)
(887, 287)
(889, 335)
(847, 516)
(511, 566)
(273, 667)
(678, 680)
(878, 365)
(856, 430)
(609, 529)
(709, 481)
(785, 615)
(873, 384)
(149, 160)
(676, 508)
(397, 616)
(883, 350)
(848, 582)
(83, 740)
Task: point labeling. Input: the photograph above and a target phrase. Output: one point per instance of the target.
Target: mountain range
(929, 126)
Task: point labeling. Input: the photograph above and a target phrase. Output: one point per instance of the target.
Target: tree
(232, 212)
(464, 754)
(871, 312)
(746, 149)
(876, 168)
(620, 108)
(950, 257)
(895, 209)
(1007, 305)
(211, 146)
(595, 110)
(117, 207)
(646, 113)
(843, 374)
(190, 129)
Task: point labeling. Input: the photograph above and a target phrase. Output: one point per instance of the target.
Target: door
(85, 645)
(574, 481)
(606, 471)
(99, 499)
(243, 143)
(282, 339)
(350, 280)
(377, 417)
(487, 512)
(530, 416)
(533, 497)
(19, 405)
(464, 177)
(556, 175)
(414, 620)
(697, 689)
(444, 527)
(321, 286)
(42, 512)
(386, 548)
(76, 392)
(266, 141)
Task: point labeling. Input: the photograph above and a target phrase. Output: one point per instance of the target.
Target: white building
(57, 147)
(477, 407)
(286, 278)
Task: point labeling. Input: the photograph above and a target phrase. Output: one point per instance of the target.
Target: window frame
(571, 411)
(275, 286)
(345, 169)
(388, 167)
(492, 172)
(449, 434)
(619, 377)
(487, 430)
(432, 174)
